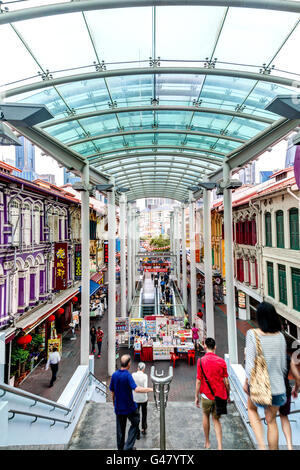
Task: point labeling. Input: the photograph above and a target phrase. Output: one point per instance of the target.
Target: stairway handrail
(32, 396)
(100, 382)
(36, 416)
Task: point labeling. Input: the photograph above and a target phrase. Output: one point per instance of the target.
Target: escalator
(148, 299)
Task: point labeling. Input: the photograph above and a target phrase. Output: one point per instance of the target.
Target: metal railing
(36, 399)
(36, 416)
(161, 388)
(31, 396)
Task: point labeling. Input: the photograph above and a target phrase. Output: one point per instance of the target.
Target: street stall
(122, 331)
(158, 337)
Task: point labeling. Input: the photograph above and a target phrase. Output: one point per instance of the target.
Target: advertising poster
(61, 265)
(121, 325)
(105, 248)
(161, 326)
(241, 299)
(54, 343)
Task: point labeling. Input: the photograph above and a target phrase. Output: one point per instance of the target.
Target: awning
(33, 319)
(97, 277)
(93, 287)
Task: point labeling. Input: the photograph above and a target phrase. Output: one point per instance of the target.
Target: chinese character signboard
(105, 251)
(77, 262)
(61, 265)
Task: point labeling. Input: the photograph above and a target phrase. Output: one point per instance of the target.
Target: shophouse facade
(34, 217)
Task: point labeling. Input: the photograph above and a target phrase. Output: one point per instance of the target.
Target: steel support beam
(192, 258)
(209, 299)
(197, 157)
(157, 108)
(154, 131)
(152, 149)
(90, 5)
(148, 71)
(65, 156)
(184, 263)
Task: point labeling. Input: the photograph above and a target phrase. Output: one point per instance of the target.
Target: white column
(273, 226)
(85, 276)
(2, 357)
(184, 266)
(177, 244)
(230, 295)
(209, 298)
(133, 250)
(192, 258)
(111, 283)
(123, 255)
(129, 259)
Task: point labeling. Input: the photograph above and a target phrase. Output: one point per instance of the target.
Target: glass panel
(122, 35)
(58, 42)
(131, 90)
(193, 30)
(252, 36)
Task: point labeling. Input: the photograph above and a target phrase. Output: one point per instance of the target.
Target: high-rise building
(70, 178)
(25, 159)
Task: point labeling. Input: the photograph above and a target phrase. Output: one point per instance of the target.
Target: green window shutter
(270, 275)
(294, 229)
(268, 226)
(296, 288)
(279, 229)
(282, 284)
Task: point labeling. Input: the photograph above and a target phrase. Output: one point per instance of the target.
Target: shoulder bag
(260, 388)
(221, 404)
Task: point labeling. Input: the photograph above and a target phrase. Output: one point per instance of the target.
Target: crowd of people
(268, 367)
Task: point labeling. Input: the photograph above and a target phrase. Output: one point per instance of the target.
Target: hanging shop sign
(121, 325)
(156, 270)
(61, 265)
(105, 247)
(77, 262)
(241, 299)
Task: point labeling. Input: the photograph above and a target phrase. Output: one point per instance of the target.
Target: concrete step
(96, 429)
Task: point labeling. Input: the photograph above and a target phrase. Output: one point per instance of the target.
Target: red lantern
(60, 311)
(200, 314)
(51, 318)
(24, 340)
(74, 300)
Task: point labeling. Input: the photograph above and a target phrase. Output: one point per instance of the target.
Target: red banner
(156, 270)
(61, 265)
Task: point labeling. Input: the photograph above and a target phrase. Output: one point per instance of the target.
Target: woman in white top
(141, 379)
(53, 360)
(274, 350)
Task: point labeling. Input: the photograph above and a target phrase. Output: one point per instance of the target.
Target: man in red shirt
(99, 336)
(215, 370)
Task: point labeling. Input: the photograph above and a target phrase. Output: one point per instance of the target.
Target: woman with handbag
(265, 370)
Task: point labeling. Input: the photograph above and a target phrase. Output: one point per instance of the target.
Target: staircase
(96, 429)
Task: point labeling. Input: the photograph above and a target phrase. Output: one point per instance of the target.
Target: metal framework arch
(154, 131)
(190, 165)
(158, 108)
(89, 5)
(149, 71)
(154, 148)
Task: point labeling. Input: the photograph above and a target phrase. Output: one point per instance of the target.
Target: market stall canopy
(94, 286)
(163, 92)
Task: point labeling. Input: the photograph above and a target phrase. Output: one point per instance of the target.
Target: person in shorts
(215, 370)
(285, 409)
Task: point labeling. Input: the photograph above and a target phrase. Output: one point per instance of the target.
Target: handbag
(260, 388)
(221, 404)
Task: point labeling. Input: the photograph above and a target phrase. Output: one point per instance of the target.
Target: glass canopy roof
(156, 96)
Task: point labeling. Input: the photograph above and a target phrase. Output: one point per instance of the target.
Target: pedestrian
(99, 337)
(141, 379)
(195, 336)
(188, 287)
(155, 282)
(93, 334)
(212, 376)
(162, 286)
(272, 343)
(167, 294)
(186, 320)
(53, 360)
(285, 410)
(122, 385)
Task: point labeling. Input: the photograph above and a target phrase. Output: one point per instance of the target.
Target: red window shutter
(256, 274)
